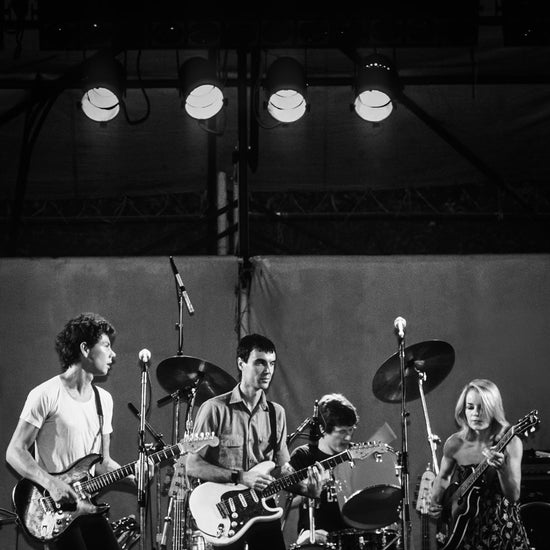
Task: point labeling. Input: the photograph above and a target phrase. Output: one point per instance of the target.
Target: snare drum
(369, 493)
(354, 539)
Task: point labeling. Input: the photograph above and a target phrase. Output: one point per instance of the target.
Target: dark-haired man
(60, 417)
(251, 430)
(337, 422)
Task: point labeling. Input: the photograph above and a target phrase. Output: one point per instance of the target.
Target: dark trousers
(87, 533)
(261, 536)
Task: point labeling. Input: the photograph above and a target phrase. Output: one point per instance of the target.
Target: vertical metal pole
(405, 501)
(242, 101)
(222, 222)
(212, 180)
(244, 236)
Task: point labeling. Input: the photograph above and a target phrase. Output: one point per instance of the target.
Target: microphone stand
(405, 499)
(142, 460)
(183, 297)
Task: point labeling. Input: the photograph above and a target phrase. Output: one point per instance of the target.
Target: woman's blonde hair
(492, 408)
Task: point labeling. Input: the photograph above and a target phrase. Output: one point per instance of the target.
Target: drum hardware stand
(313, 423)
(311, 512)
(160, 445)
(433, 439)
(404, 465)
(188, 431)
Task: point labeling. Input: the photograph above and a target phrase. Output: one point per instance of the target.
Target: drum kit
(373, 495)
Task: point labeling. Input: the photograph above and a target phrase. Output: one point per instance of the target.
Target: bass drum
(536, 519)
(354, 539)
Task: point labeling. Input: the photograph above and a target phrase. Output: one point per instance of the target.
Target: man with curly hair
(64, 420)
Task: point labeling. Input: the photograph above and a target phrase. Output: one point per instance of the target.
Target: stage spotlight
(376, 87)
(103, 83)
(286, 90)
(200, 88)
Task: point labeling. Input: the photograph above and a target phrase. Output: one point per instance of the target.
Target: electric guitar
(44, 520)
(225, 512)
(423, 501)
(461, 502)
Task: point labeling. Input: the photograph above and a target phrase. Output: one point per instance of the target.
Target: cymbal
(434, 358)
(182, 371)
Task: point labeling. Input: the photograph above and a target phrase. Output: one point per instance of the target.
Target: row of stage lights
(376, 85)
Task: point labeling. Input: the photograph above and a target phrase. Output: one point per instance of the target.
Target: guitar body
(457, 513)
(37, 512)
(220, 529)
(225, 512)
(36, 509)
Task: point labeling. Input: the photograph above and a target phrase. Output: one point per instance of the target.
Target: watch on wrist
(235, 477)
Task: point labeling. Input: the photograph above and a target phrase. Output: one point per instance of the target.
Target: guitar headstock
(528, 424)
(195, 442)
(178, 482)
(424, 496)
(359, 451)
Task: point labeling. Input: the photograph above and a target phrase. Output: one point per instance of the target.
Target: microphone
(144, 358)
(181, 286)
(399, 325)
(314, 434)
(133, 409)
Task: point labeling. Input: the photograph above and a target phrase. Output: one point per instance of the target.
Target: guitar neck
(292, 479)
(425, 526)
(99, 482)
(482, 466)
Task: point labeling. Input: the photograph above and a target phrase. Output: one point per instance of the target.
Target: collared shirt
(244, 435)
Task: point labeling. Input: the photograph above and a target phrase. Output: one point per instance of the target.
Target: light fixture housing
(200, 87)
(377, 85)
(103, 84)
(286, 90)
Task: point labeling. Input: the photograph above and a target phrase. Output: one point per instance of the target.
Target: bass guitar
(423, 500)
(225, 512)
(45, 520)
(461, 502)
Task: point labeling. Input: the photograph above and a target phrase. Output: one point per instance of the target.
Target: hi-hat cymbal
(182, 371)
(432, 358)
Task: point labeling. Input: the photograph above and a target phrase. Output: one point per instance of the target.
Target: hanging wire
(146, 97)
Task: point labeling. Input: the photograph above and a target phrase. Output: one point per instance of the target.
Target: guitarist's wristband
(235, 475)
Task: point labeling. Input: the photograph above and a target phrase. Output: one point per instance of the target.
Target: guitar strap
(100, 416)
(273, 423)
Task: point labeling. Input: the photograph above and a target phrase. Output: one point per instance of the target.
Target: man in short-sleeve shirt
(60, 417)
(241, 420)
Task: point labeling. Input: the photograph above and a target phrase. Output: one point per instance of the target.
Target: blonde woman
(493, 521)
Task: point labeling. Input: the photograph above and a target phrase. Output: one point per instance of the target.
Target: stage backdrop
(330, 317)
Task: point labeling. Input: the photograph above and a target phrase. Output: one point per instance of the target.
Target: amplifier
(535, 476)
